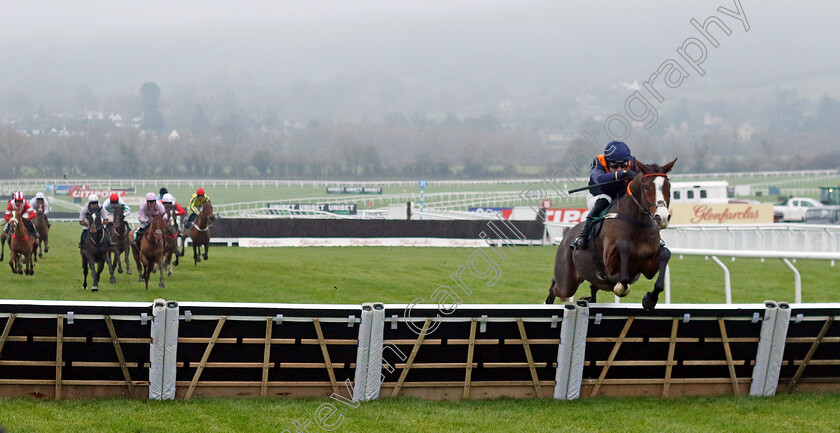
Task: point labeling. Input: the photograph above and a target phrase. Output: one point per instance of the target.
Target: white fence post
(727, 280)
(156, 349)
(771, 347)
(362, 353)
(797, 280)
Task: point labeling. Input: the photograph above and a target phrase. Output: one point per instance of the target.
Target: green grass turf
(798, 412)
(354, 275)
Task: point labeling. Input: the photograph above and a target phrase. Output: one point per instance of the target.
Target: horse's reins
(658, 203)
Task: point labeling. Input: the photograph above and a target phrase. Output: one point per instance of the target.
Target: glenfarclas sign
(77, 191)
(733, 213)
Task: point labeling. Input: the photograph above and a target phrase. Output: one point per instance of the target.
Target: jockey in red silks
(18, 203)
(169, 201)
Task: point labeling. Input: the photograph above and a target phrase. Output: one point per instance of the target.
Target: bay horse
(96, 250)
(150, 252)
(627, 247)
(21, 246)
(42, 227)
(200, 232)
(171, 240)
(120, 242)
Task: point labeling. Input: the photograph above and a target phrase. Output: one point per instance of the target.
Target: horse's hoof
(621, 290)
(128, 272)
(112, 280)
(46, 250)
(161, 285)
(40, 254)
(205, 257)
(585, 298)
(94, 289)
(119, 271)
(649, 301)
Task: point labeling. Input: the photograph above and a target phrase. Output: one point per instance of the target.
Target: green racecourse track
(335, 275)
(784, 413)
(399, 275)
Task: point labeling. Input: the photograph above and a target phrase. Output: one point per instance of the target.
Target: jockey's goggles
(616, 164)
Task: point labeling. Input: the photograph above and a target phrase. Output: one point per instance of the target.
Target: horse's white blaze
(661, 209)
(620, 291)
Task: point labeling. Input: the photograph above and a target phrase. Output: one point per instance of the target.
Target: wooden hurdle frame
(482, 352)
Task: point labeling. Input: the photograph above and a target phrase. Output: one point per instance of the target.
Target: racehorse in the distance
(150, 253)
(200, 232)
(42, 227)
(171, 236)
(120, 242)
(96, 251)
(627, 247)
(21, 246)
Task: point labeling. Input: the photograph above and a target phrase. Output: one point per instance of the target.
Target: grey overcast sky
(261, 49)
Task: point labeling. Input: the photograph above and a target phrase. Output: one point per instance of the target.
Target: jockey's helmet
(18, 196)
(39, 195)
(150, 196)
(200, 191)
(617, 152)
(163, 191)
(115, 197)
(93, 198)
(168, 198)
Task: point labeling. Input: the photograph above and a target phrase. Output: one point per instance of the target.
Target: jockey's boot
(583, 238)
(139, 235)
(82, 238)
(49, 224)
(31, 228)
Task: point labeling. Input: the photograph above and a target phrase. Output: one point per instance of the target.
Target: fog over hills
(534, 74)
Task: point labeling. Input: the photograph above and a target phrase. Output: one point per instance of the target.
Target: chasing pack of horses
(111, 244)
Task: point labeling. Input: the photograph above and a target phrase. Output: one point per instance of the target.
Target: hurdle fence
(171, 350)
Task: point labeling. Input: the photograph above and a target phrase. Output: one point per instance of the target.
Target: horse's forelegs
(551, 297)
(160, 268)
(651, 298)
(97, 272)
(127, 262)
(85, 271)
(196, 250)
(622, 287)
(206, 249)
(30, 265)
(111, 267)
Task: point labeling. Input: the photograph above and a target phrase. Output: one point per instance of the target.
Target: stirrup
(579, 243)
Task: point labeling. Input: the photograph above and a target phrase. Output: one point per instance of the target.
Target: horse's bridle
(652, 206)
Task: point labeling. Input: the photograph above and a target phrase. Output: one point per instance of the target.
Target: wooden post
(264, 388)
(671, 347)
(793, 382)
(326, 353)
(611, 357)
(204, 358)
(529, 357)
(59, 339)
(6, 330)
(470, 351)
(413, 354)
(120, 356)
(725, 339)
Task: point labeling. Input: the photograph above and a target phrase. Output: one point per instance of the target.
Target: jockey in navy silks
(616, 164)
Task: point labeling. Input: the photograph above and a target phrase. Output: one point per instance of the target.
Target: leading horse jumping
(627, 247)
